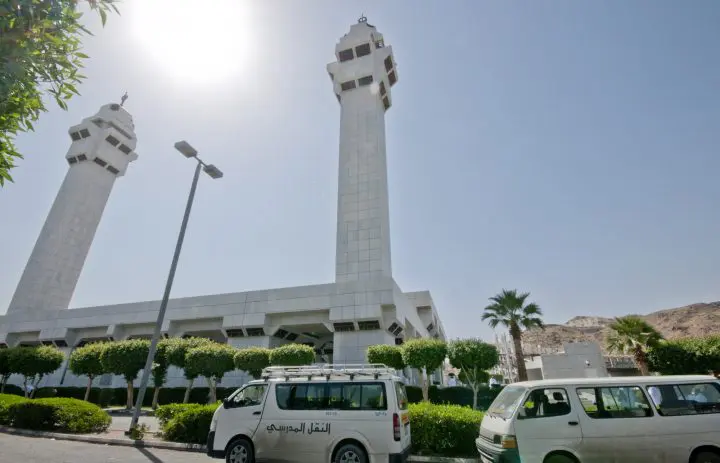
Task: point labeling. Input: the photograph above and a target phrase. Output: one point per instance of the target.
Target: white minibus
(315, 414)
(644, 419)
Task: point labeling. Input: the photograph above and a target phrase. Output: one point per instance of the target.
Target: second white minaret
(362, 78)
(102, 147)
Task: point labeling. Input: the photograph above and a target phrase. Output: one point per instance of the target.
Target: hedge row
(59, 414)
(457, 395)
(447, 430)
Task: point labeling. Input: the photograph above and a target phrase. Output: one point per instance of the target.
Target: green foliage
(686, 356)
(252, 360)
(178, 348)
(211, 361)
(474, 358)
(64, 415)
(125, 358)
(5, 370)
(456, 395)
(292, 355)
(633, 335)
(85, 361)
(386, 354)
(39, 52)
(509, 310)
(35, 362)
(6, 400)
(424, 353)
(165, 413)
(444, 430)
(190, 426)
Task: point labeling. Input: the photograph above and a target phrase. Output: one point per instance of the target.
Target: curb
(176, 445)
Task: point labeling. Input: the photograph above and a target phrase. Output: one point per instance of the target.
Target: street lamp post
(215, 173)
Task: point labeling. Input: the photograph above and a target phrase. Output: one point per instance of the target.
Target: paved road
(40, 450)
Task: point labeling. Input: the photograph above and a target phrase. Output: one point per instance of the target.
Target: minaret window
(99, 122)
(99, 162)
(81, 157)
(112, 140)
(388, 63)
(367, 80)
(382, 89)
(346, 55)
(75, 136)
(362, 50)
(112, 169)
(72, 160)
(386, 103)
(85, 133)
(125, 149)
(392, 78)
(349, 85)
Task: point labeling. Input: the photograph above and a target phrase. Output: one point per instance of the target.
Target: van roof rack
(329, 369)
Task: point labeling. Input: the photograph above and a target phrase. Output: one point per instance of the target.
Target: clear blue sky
(565, 148)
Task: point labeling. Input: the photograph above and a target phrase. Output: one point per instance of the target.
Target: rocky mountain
(693, 320)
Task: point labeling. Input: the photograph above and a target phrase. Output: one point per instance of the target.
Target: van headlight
(508, 442)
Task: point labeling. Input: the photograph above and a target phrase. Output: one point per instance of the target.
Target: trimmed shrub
(190, 426)
(165, 413)
(444, 430)
(386, 354)
(64, 415)
(6, 400)
(252, 360)
(292, 355)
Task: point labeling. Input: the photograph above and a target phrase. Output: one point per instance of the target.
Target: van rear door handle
(573, 423)
(257, 413)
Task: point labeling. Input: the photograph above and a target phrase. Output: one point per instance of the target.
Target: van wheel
(239, 451)
(706, 457)
(350, 453)
(560, 459)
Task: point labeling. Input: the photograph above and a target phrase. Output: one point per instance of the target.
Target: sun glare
(195, 42)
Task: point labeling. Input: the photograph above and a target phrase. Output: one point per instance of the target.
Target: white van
(314, 414)
(648, 419)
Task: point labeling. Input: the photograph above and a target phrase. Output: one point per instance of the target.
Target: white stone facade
(340, 320)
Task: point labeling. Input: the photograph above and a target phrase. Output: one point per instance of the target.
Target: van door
(546, 422)
(241, 415)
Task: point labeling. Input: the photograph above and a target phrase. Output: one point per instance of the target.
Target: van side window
(546, 402)
(685, 399)
(331, 396)
(614, 402)
(250, 396)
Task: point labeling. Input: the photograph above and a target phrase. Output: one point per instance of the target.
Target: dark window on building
(84, 133)
(114, 126)
(255, 332)
(115, 107)
(382, 89)
(99, 162)
(349, 85)
(392, 78)
(291, 337)
(125, 149)
(398, 341)
(362, 50)
(367, 80)
(60, 343)
(99, 122)
(379, 43)
(393, 327)
(112, 170)
(331, 396)
(72, 160)
(238, 333)
(614, 402)
(344, 326)
(430, 327)
(81, 157)
(75, 136)
(346, 55)
(398, 331)
(369, 325)
(281, 333)
(685, 399)
(112, 140)
(388, 63)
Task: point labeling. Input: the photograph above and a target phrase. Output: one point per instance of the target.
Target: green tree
(85, 360)
(252, 360)
(387, 355)
(211, 361)
(35, 362)
(160, 367)
(634, 336)
(177, 353)
(292, 355)
(509, 310)
(474, 358)
(425, 355)
(695, 355)
(40, 42)
(126, 359)
(5, 369)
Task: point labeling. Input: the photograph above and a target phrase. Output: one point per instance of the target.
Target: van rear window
(401, 395)
(685, 399)
(331, 396)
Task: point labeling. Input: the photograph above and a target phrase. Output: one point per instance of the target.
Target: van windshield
(506, 402)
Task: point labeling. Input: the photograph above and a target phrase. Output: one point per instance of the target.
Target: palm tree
(508, 309)
(632, 335)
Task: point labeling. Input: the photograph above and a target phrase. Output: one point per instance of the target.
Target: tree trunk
(35, 384)
(156, 397)
(129, 395)
(3, 381)
(425, 385)
(213, 390)
(475, 392)
(87, 389)
(186, 399)
(25, 386)
(516, 335)
(641, 360)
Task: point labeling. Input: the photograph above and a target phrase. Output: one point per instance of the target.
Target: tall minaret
(102, 147)
(362, 77)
